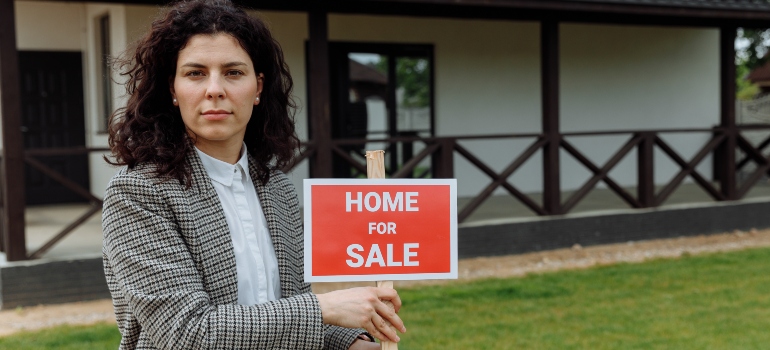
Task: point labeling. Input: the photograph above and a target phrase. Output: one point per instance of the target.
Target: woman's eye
(234, 72)
(194, 73)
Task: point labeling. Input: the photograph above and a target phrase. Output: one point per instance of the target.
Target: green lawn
(96, 337)
(719, 301)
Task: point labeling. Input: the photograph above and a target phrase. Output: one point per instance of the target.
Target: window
(382, 91)
(103, 70)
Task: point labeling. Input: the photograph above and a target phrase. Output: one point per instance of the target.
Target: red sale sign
(380, 229)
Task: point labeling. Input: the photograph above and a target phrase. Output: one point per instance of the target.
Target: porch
(85, 241)
(72, 269)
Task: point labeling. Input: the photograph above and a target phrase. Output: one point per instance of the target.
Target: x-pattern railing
(601, 174)
(442, 149)
(645, 141)
(500, 179)
(95, 202)
(753, 154)
(688, 168)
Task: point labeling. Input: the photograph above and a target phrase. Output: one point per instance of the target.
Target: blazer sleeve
(335, 338)
(157, 275)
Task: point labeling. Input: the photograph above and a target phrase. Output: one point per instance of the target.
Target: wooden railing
(443, 150)
(95, 202)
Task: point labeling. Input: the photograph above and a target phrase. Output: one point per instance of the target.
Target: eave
(585, 11)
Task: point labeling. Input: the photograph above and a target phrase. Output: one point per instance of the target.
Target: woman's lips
(216, 115)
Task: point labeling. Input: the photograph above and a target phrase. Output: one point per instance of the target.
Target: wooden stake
(375, 169)
(375, 164)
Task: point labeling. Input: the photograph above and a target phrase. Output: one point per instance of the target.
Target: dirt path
(37, 317)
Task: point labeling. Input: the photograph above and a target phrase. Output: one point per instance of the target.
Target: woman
(202, 233)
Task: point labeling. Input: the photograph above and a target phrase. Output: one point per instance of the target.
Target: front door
(381, 91)
(53, 118)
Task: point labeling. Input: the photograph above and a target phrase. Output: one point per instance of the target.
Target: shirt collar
(223, 172)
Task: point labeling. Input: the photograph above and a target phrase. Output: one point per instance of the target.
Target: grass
(718, 301)
(96, 337)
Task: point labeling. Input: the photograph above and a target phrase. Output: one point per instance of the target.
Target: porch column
(13, 149)
(318, 73)
(549, 67)
(726, 166)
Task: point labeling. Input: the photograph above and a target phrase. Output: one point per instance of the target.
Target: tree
(413, 76)
(751, 48)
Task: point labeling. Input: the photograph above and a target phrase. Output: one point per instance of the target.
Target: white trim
(308, 244)
(118, 42)
(101, 172)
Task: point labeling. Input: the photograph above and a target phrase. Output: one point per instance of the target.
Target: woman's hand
(363, 308)
(364, 345)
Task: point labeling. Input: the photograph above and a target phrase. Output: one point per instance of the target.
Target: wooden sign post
(375, 169)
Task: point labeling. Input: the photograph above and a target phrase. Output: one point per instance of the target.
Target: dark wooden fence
(440, 152)
(95, 202)
(723, 186)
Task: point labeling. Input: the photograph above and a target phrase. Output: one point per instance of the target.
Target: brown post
(443, 164)
(549, 66)
(726, 152)
(13, 147)
(646, 185)
(318, 72)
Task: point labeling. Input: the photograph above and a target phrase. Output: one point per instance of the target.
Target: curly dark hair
(149, 130)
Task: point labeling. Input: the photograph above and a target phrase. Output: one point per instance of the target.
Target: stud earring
(174, 102)
(257, 98)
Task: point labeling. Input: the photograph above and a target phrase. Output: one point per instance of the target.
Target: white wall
(138, 21)
(487, 80)
(623, 77)
(483, 68)
(50, 26)
(612, 78)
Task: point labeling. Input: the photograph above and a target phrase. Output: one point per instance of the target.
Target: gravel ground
(577, 257)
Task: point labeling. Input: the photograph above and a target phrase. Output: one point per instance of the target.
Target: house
(542, 101)
(761, 77)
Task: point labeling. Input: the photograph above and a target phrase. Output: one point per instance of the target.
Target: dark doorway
(53, 117)
(381, 91)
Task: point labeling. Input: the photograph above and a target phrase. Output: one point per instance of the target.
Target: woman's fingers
(391, 295)
(388, 313)
(384, 329)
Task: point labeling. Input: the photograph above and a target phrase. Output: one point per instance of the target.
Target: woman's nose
(215, 89)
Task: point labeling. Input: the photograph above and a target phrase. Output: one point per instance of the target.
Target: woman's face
(216, 89)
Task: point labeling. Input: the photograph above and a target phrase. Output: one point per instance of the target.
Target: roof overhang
(649, 12)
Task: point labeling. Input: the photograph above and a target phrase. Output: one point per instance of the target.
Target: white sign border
(308, 251)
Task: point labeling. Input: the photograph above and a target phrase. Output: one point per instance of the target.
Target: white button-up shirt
(255, 260)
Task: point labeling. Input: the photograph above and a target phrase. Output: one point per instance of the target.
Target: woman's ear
(260, 84)
(173, 94)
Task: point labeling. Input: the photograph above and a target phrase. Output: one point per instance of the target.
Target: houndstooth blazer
(170, 267)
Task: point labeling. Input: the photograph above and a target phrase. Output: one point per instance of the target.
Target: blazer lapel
(219, 272)
(268, 197)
